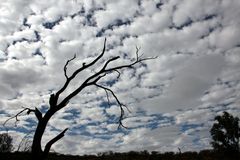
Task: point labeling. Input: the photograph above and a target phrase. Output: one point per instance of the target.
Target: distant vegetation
(5, 143)
(132, 155)
(225, 134)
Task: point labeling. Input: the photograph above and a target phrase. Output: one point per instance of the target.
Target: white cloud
(196, 10)
(116, 10)
(188, 85)
(194, 78)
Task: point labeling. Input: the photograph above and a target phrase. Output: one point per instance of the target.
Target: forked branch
(84, 66)
(118, 102)
(38, 114)
(65, 67)
(93, 79)
(55, 139)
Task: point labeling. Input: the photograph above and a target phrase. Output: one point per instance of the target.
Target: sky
(172, 99)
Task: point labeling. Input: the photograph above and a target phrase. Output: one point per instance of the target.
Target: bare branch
(88, 82)
(118, 73)
(119, 103)
(53, 101)
(18, 114)
(54, 140)
(85, 66)
(137, 50)
(25, 143)
(92, 80)
(110, 60)
(121, 118)
(65, 67)
(138, 60)
(38, 114)
(107, 98)
(97, 79)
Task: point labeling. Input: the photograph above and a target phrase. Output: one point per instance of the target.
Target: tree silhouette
(55, 104)
(225, 133)
(5, 143)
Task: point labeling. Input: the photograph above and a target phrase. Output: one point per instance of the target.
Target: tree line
(225, 134)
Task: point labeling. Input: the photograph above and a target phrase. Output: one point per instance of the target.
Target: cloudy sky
(173, 99)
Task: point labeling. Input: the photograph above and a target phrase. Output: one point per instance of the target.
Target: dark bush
(5, 143)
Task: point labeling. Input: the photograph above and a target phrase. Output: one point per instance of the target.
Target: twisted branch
(119, 103)
(93, 79)
(84, 66)
(65, 66)
(38, 114)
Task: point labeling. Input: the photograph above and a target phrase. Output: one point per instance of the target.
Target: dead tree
(38, 153)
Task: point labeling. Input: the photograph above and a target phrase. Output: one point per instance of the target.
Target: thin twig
(18, 114)
(119, 104)
(65, 66)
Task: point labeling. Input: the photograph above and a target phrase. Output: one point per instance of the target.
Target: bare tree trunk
(37, 152)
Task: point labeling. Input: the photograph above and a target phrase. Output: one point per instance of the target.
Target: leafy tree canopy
(225, 133)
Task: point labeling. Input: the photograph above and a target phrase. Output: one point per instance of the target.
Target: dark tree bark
(38, 153)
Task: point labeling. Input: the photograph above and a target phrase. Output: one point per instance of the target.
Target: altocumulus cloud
(172, 99)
